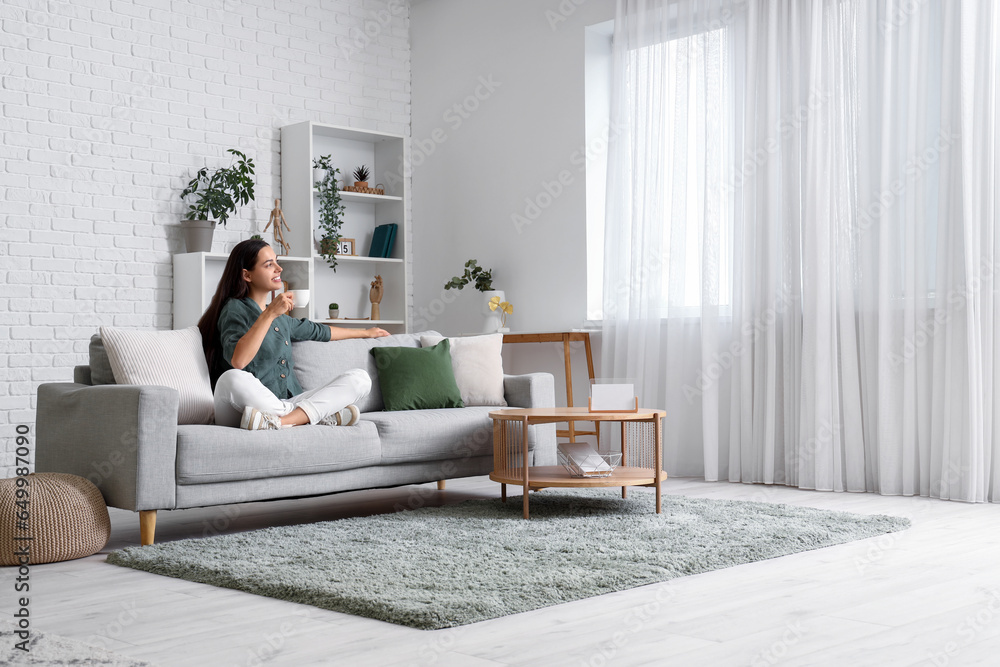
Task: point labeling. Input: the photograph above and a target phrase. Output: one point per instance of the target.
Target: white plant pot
(318, 175)
(492, 317)
(334, 313)
(198, 234)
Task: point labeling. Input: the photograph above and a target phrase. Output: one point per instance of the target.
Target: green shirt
(272, 364)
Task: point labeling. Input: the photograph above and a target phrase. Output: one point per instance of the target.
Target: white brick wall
(108, 108)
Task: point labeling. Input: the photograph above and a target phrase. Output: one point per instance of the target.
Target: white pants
(237, 389)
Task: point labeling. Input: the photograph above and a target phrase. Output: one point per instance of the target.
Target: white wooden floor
(926, 596)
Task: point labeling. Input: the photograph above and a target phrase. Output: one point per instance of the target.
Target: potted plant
(331, 210)
(334, 311)
(483, 280)
(215, 196)
(361, 177)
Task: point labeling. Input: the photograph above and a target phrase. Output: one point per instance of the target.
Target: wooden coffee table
(642, 447)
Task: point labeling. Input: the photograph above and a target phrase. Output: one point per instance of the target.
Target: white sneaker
(349, 416)
(255, 420)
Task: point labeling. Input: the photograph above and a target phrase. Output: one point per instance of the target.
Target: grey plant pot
(198, 234)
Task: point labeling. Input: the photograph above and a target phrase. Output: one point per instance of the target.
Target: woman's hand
(343, 333)
(280, 305)
(248, 346)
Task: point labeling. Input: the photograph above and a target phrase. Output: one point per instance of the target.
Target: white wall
(478, 166)
(108, 109)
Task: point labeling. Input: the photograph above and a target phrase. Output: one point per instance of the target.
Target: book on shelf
(391, 240)
(383, 239)
(379, 239)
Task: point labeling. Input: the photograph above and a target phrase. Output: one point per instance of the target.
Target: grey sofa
(125, 439)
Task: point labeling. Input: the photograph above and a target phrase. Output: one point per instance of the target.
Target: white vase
(318, 175)
(492, 323)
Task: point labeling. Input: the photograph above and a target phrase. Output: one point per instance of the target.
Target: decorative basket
(377, 190)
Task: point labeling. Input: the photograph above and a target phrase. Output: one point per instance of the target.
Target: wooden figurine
(278, 220)
(375, 296)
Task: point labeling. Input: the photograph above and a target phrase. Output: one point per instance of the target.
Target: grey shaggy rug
(45, 648)
(446, 566)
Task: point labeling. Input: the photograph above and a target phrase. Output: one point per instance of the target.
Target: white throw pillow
(168, 358)
(478, 367)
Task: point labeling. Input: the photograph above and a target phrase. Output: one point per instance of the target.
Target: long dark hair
(231, 286)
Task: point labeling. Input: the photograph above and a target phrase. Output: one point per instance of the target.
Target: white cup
(301, 297)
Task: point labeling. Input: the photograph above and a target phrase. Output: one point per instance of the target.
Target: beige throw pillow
(169, 358)
(478, 367)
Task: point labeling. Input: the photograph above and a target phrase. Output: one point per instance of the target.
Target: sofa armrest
(533, 390)
(123, 438)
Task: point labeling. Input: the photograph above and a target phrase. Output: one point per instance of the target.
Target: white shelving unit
(349, 285)
(196, 275)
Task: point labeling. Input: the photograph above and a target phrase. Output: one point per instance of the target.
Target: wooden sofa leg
(440, 485)
(147, 526)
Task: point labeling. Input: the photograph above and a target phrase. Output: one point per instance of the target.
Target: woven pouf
(67, 518)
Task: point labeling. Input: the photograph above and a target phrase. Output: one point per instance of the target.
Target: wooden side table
(642, 446)
(565, 337)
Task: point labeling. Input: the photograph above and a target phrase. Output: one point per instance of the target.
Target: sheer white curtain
(800, 239)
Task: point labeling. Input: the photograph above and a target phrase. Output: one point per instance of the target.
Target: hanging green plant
(331, 210)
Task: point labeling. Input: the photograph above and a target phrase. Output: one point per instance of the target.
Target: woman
(247, 343)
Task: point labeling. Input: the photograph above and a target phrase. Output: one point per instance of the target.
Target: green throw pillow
(417, 378)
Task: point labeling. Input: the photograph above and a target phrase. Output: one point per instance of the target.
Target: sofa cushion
(417, 379)
(317, 363)
(221, 454)
(477, 365)
(172, 359)
(100, 365)
(429, 435)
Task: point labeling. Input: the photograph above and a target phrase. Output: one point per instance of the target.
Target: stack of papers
(585, 458)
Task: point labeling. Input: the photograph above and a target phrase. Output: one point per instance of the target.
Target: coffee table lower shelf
(541, 477)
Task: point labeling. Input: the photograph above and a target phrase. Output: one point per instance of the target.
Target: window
(697, 143)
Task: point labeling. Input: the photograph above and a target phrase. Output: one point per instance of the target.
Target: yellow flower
(506, 308)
